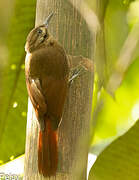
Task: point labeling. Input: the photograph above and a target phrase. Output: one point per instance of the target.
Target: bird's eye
(39, 31)
(45, 36)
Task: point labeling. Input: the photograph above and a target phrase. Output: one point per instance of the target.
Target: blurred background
(17, 19)
(116, 97)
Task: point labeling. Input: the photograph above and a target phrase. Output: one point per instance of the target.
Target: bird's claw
(75, 73)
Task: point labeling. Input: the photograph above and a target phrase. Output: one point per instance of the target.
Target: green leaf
(14, 95)
(120, 160)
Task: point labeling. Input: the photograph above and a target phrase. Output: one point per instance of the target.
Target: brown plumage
(47, 73)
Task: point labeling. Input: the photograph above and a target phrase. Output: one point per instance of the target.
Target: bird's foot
(75, 73)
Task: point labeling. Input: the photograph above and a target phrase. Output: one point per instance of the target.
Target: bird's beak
(48, 19)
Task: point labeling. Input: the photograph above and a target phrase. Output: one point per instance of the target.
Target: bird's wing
(54, 91)
(48, 97)
(36, 95)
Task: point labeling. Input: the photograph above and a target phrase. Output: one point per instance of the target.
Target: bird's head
(37, 36)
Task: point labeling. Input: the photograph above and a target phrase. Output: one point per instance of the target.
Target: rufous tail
(47, 151)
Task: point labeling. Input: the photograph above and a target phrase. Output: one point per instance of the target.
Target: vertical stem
(68, 27)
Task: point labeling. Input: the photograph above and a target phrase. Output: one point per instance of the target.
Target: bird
(47, 74)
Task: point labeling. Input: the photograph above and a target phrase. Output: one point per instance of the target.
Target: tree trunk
(69, 28)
